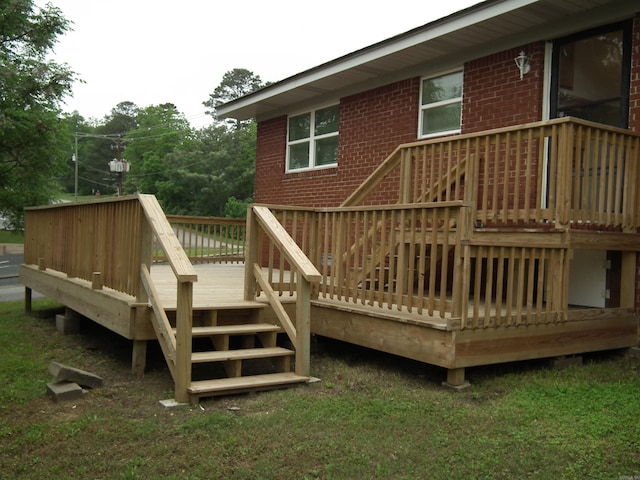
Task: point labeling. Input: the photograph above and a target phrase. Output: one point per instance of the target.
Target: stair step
(244, 329)
(231, 305)
(225, 386)
(239, 354)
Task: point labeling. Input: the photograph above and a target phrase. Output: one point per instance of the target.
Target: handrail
(186, 276)
(260, 220)
(287, 245)
(177, 258)
(379, 174)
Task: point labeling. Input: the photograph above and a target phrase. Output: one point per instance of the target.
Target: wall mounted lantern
(522, 62)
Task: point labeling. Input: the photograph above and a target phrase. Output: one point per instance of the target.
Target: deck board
(220, 286)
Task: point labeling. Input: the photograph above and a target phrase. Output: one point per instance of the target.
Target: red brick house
(377, 90)
(462, 194)
(499, 64)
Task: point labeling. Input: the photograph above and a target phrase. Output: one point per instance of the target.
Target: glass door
(590, 76)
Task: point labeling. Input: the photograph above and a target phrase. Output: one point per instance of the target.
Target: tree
(33, 141)
(200, 176)
(160, 130)
(235, 83)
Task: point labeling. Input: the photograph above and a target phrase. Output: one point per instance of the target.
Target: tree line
(44, 151)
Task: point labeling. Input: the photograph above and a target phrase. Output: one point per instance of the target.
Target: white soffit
(485, 28)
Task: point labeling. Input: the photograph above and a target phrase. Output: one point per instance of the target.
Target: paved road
(9, 265)
(10, 287)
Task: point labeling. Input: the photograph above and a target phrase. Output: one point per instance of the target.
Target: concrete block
(457, 388)
(67, 325)
(171, 403)
(634, 352)
(59, 391)
(69, 374)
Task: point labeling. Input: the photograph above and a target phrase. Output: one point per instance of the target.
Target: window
(313, 139)
(591, 74)
(441, 104)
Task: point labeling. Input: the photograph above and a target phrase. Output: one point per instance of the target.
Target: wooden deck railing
(208, 239)
(425, 259)
(102, 238)
(159, 227)
(110, 243)
(263, 227)
(563, 172)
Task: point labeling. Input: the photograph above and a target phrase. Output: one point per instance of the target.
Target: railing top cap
(515, 128)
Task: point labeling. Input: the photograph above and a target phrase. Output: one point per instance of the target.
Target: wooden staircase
(233, 352)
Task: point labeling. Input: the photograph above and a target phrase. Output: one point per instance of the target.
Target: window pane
(441, 119)
(327, 120)
(327, 151)
(299, 156)
(299, 127)
(442, 88)
(590, 78)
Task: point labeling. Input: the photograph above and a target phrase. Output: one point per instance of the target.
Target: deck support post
(627, 279)
(184, 319)
(455, 379)
(303, 328)
(251, 255)
(139, 357)
(28, 305)
(96, 281)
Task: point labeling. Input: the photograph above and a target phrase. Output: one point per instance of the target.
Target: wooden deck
(465, 269)
(218, 286)
(430, 339)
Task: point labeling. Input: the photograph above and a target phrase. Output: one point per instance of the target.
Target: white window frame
(422, 108)
(311, 139)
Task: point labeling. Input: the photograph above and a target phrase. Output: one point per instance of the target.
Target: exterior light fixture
(523, 64)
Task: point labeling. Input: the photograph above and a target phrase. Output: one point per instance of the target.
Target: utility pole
(75, 159)
(119, 165)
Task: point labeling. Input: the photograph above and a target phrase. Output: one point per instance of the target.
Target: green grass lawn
(371, 416)
(7, 236)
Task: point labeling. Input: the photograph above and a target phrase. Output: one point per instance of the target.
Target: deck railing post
(406, 178)
(251, 255)
(565, 165)
(462, 265)
(303, 327)
(631, 187)
(183, 341)
(314, 244)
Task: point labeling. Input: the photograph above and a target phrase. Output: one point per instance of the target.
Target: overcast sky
(157, 51)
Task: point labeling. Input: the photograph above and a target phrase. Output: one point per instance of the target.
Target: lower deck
(429, 339)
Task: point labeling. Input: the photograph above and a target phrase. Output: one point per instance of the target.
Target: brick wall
(372, 125)
(493, 94)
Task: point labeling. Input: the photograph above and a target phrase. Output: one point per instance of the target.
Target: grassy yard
(7, 236)
(371, 416)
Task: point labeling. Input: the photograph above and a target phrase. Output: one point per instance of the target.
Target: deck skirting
(113, 310)
(587, 330)
(434, 340)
